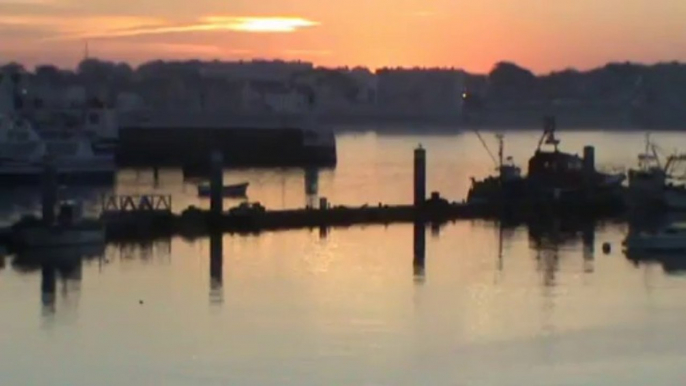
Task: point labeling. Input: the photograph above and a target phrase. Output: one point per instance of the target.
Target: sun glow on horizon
(379, 33)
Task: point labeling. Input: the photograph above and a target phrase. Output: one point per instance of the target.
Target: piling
(49, 192)
(419, 176)
(589, 160)
(589, 170)
(216, 183)
(323, 203)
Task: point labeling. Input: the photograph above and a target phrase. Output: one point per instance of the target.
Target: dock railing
(117, 204)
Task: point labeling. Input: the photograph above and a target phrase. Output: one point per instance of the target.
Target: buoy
(140, 302)
(607, 248)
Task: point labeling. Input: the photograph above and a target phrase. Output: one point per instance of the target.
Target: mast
(500, 150)
(548, 136)
(483, 143)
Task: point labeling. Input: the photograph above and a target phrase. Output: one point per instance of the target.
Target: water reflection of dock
(549, 237)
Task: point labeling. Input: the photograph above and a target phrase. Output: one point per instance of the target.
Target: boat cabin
(559, 169)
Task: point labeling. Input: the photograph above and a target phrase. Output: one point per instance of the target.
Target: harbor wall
(240, 146)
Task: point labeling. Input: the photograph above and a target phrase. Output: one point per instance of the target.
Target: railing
(137, 203)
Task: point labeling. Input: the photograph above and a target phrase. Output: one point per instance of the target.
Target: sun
(259, 24)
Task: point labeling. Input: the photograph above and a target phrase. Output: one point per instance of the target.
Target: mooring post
(216, 183)
(419, 176)
(589, 159)
(49, 192)
(156, 175)
(589, 168)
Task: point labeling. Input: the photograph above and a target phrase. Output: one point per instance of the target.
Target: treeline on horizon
(506, 82)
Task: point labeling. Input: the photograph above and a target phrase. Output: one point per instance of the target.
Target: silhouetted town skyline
(617, 90)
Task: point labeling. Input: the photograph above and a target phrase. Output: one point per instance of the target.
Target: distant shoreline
(514, 119)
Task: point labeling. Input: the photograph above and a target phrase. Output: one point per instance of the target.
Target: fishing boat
(553, 177)
(653, 182)
(235, 190)
(507, 183)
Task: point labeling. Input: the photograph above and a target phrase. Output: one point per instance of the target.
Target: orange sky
(473, 34)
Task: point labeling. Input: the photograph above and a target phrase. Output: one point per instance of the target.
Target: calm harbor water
(471, 305)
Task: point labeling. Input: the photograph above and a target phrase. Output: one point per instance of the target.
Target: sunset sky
(540, 34)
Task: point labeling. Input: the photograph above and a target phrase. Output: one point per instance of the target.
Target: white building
(271, 96)
(128, 102)
(423, 91)
(73, 96)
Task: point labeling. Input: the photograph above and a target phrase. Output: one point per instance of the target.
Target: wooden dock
(194, 222)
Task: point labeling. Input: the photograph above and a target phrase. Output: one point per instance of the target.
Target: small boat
(671, 238)
(235, 190)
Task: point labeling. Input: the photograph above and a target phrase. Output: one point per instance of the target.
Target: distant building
(273, 96)
(337, 90)
(74, 96)
(6, 95)
(276, 71)
(420, 91)
(129, 101)
(368, 85)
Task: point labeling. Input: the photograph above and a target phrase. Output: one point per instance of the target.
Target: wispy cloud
(118, 27)
(106, 27)
(66, 26)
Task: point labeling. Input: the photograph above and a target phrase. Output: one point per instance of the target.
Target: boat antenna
(548, 136)
(500, 149)
(490, 154)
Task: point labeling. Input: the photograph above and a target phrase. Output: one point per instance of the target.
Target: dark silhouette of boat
(554, 177)
(234, 190)
(652, 184)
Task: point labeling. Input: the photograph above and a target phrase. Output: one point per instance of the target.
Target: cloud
(122, 26)
(66, 26)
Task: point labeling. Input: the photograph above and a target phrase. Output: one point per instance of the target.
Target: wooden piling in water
(419, 176)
